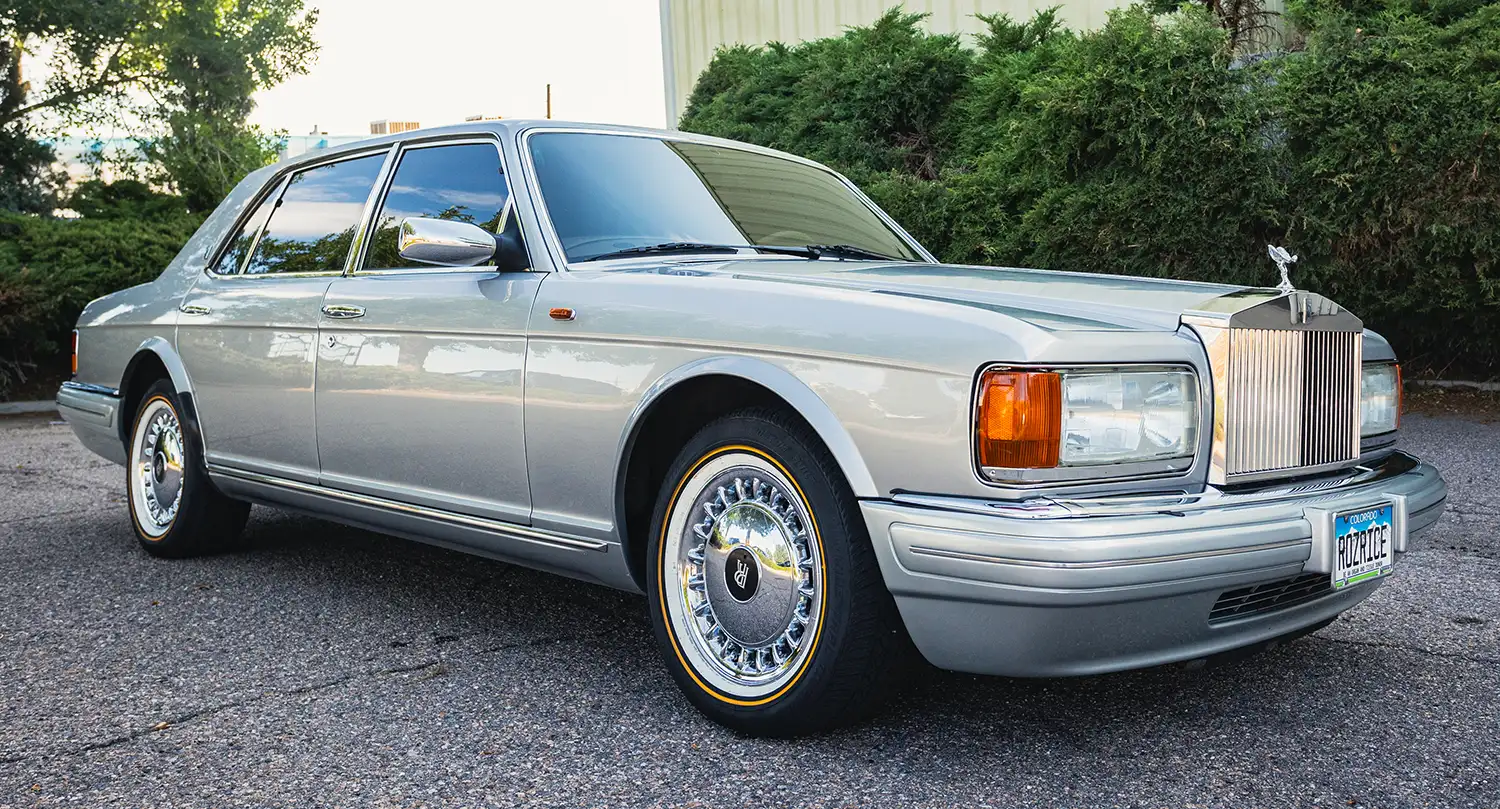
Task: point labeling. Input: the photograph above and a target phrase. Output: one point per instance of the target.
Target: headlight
(1084, 417)
(1128, 416)
(1380, 399)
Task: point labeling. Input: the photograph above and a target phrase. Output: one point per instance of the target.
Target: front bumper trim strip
(922, 550)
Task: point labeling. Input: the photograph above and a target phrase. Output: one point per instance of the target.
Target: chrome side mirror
(445, 242)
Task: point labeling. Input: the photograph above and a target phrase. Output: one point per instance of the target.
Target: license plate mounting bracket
(1324, 543)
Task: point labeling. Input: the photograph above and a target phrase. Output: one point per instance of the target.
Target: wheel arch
(152, 360)
(701, 391)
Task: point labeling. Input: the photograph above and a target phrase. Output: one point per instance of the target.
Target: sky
(437, 61)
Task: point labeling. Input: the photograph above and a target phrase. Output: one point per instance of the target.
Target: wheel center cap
(741, 574)
(753, 583)
(159, 467)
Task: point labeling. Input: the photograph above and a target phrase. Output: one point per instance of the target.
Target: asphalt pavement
(328, 666)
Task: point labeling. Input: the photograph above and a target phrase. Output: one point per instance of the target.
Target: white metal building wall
(691, 30)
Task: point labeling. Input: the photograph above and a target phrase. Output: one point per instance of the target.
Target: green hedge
(51, 268)
(1143, 148)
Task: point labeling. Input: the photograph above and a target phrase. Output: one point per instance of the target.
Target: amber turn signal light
(1020, 419)
(75, 352)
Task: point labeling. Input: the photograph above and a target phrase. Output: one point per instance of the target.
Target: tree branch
(102, 82)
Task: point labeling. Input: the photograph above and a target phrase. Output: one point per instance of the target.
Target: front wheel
(767, 599)
(175, 509)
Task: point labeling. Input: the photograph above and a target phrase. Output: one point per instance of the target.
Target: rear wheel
(176, 511)
(766, 596)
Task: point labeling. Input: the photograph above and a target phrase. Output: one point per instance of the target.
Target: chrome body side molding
(510, 531)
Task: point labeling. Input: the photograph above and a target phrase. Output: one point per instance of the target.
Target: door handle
(194, 309)
(342, 312)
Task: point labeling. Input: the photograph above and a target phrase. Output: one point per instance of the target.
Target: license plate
(1364, 544)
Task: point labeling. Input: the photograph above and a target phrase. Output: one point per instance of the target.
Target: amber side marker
(1020, 419)
(561, 313)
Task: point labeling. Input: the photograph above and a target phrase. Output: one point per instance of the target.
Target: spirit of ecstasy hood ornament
(1284, 261)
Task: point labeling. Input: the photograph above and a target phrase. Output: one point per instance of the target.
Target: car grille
(1292, 399)
(1270, 597)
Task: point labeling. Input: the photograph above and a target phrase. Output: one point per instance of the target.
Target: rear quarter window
(234, 254)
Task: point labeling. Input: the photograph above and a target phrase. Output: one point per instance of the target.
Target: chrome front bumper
(1067, 587)
(92, 412)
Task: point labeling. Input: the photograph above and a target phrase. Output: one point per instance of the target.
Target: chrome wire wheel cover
(156, 468)
(743, 575)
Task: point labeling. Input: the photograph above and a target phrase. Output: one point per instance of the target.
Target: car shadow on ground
(431, 584)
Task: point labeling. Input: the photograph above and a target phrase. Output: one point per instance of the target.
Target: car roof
(508, 127)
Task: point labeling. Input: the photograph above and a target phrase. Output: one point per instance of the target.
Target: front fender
(774, 378)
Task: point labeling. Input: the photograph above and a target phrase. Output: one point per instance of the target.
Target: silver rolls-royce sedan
(719, 375)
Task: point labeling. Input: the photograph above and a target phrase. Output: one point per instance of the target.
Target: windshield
(606, 193)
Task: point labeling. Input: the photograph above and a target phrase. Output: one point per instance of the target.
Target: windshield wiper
(703, 247)
(849, 251)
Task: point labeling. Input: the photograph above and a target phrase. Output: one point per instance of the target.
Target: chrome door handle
(340, 312)
(194, 309)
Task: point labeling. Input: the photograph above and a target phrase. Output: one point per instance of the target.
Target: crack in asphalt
(212, 710)
(327, 639)
(1419, 650)
(65, 513)
(1470, 510)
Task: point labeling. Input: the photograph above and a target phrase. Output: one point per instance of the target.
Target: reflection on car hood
(1059, 301)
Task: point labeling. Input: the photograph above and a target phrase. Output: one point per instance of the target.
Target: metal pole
(549, 101)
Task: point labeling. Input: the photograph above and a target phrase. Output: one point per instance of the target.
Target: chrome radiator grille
(1292, 399)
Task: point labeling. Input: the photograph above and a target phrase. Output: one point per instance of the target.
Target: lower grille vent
(1269, 597)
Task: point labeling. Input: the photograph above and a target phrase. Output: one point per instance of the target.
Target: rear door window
(234, 255)
(313, 224)
(461, 181)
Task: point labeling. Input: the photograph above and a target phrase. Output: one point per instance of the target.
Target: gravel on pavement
(329, 666)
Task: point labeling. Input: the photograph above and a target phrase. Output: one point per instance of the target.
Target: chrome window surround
(274, 188)
(554, 243)
(359, 247)
(271, 190)
(382, 188)
(1083, 473)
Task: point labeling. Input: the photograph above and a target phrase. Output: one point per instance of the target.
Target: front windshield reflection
(607, 193)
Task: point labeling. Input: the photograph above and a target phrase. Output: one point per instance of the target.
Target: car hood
(1047, 299)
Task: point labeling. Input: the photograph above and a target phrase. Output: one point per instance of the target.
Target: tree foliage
(207, 55)
(27, 182)
(215, 54)
(51, 268)
(873, 100)
(1392, 138)
(187, 68)
(1147, 148)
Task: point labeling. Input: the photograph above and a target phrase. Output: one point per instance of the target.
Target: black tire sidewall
(194, 529)
(796, 708)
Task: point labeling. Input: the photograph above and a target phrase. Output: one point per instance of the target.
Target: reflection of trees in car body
(461, 182)
(324, 254)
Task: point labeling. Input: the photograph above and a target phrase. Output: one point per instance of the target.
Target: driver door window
(462, 182)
